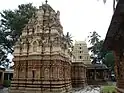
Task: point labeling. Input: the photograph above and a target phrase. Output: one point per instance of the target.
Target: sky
(79, 17)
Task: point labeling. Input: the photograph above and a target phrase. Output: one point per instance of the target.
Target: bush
(7, 83)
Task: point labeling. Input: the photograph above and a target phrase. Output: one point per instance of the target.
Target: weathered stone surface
(80, 52)
(114, 42)
(80, 60)
(42, 64)
(78, 75)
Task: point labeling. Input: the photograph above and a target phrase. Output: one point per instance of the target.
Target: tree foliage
(68, 39)
(99, 54)
(12, 23)
(94, 38)
(95, 44)
(109, 60)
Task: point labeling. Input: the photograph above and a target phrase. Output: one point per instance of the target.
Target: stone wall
(78, 75)
(119, 69)
(42, 76)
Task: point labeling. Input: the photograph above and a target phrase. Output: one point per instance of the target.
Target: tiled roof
(97, 66)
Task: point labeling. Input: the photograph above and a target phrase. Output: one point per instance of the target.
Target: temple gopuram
(83, 71)
(42, 63)
(80, 60)
(114, 42)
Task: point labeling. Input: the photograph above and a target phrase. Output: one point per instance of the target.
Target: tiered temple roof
(115, 32)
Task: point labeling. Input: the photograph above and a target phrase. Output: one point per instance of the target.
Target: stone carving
(58, 15)
(38, 28)
(55, 72)
(41, 39)
(35, 46)
(46, 73)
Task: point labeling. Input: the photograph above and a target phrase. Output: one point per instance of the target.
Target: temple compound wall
(42, 62)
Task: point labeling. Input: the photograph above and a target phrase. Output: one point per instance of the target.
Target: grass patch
(108, 89)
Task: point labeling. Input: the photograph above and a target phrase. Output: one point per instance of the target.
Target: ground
(108, 89)
(88, 89)
(5, 90)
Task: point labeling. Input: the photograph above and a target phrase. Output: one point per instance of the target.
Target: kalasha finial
(46, 1)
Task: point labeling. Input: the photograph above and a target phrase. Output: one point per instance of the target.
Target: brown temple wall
(54, 78)
(78, 75)
(119, 69)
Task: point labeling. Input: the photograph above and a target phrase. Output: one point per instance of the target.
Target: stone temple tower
(41, 61)
(80, 52)
(79, 64)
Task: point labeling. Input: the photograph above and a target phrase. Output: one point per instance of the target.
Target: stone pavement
(5, 90)
(89, 89)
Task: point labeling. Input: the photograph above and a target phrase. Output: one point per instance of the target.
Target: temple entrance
(8, 76)
(96, 74)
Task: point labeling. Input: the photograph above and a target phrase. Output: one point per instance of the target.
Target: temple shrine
(83, 71)
(42, 63)
(80, 60)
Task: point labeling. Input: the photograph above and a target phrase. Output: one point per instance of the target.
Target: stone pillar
(119, 69)
(95, 74)
(2, 77)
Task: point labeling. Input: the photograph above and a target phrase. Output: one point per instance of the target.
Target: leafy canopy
(98, 53)
(12, 23)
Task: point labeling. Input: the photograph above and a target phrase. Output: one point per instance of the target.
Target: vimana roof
(116, 27)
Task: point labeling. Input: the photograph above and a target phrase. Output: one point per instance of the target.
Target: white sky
(79, 17)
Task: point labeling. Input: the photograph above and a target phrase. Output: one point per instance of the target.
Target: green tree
(12, 23)
(109, 60)
(68, 39)
(96, 49)
(94, 38)
(99, 54)
(5, 46)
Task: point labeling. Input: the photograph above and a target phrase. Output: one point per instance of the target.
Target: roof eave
(114, 26)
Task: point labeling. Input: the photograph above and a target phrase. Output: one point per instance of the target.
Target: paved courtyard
(5, 90)
(89, 89)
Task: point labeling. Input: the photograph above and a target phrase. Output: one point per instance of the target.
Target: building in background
(6, 76)
(81, 53)
(80, 60)
(83, 71)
